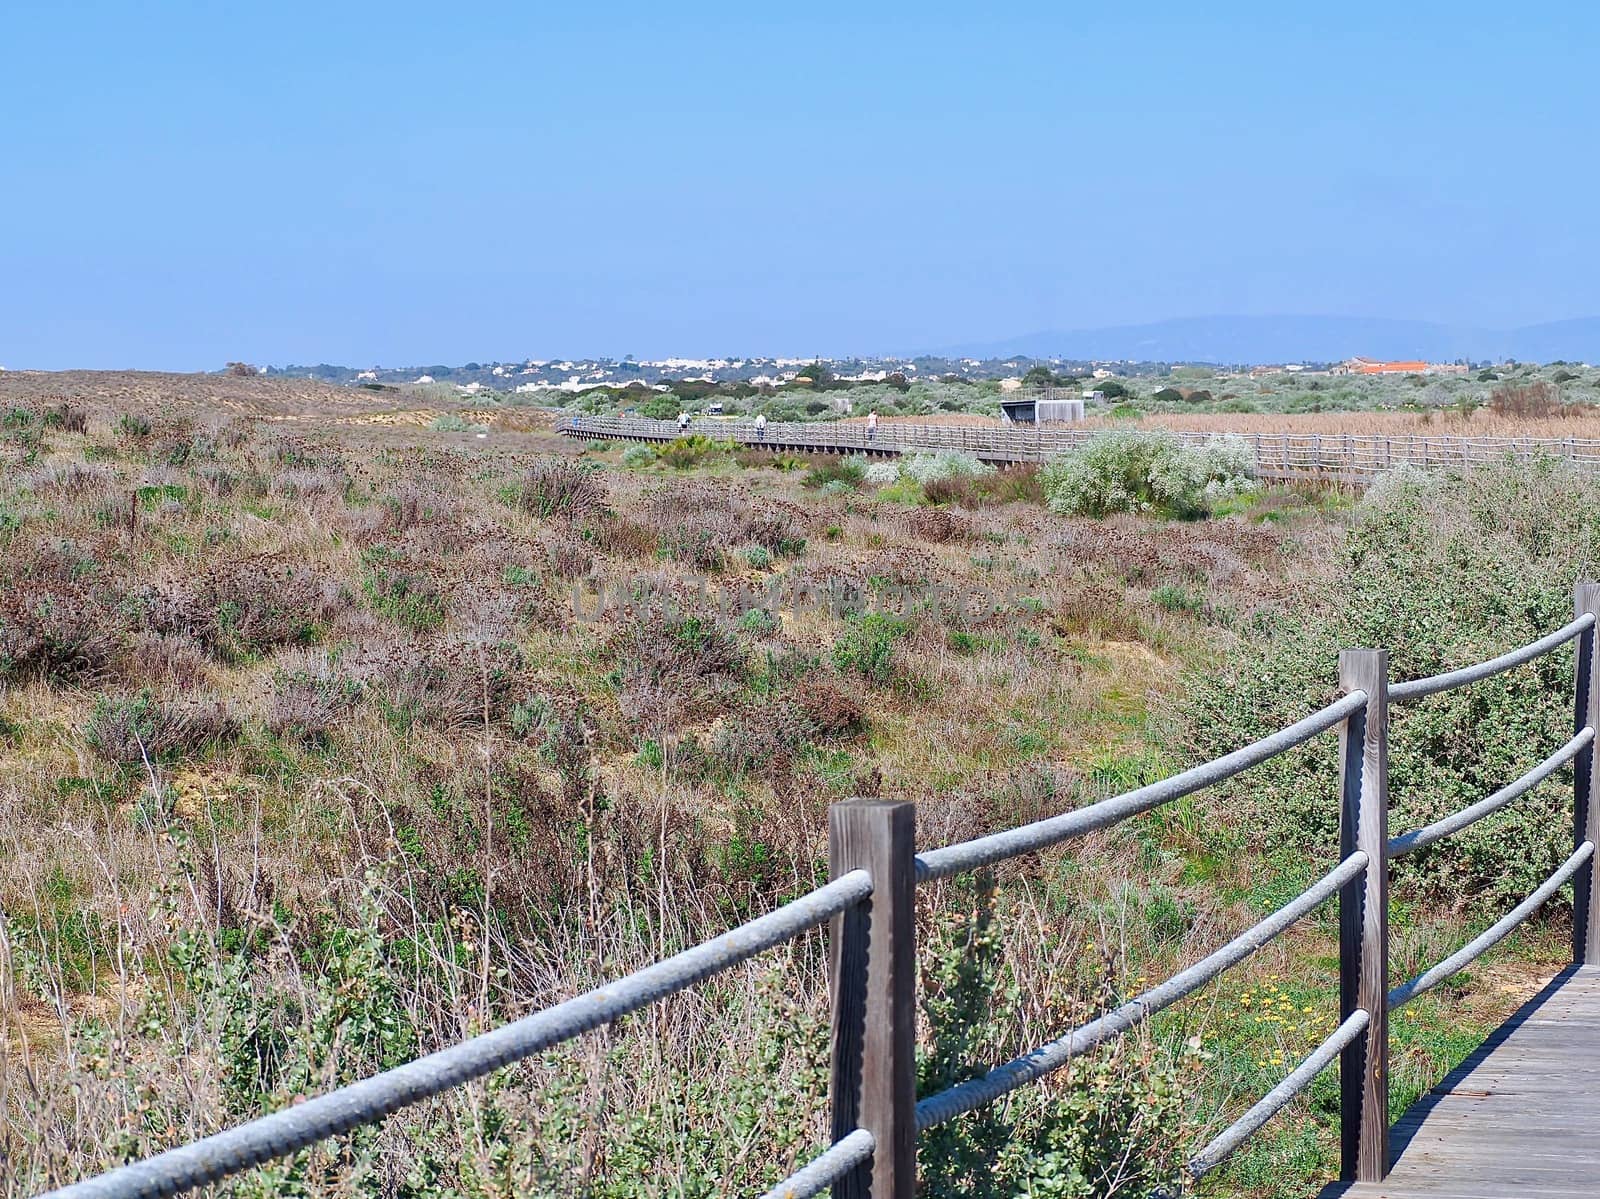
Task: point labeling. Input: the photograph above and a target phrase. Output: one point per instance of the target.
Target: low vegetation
(321, 749)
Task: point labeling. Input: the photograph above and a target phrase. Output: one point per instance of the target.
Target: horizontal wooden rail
(1470, 815)
(1494, 934)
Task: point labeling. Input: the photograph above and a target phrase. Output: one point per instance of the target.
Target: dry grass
(394, 790)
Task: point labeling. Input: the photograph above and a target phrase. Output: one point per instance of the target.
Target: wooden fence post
(1364, 918)
(874, 975)
(1585, 798)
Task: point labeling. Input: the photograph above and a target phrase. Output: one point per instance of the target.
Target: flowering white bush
(880, 473)
(945, 464)
(1127, 471)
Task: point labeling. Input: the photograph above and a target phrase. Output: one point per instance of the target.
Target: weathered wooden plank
(1516, 1118)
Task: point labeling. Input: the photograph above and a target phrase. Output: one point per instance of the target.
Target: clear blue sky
(182, 184)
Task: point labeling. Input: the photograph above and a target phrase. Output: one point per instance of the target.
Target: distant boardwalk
(1327, 457)
(1517, 1118)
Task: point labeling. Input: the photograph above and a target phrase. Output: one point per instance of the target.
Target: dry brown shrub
(764, 740)
(1538, 400)
(1094, 610)
(67, 418)
(58, 630)
(832, 703)
(563, 487)
(245, 605)
(174, 662)
(444, 684)
(75, 480)
(903, 566)
(673, 668)
(309, 699)
(219, 480)
(566, 553)
(938, 525)
(128, 730)
(620, 537)
(309, 482)
(699, 521)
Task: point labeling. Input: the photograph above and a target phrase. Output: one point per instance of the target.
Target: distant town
(760, 373)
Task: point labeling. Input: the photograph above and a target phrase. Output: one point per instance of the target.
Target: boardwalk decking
(1520, 1117)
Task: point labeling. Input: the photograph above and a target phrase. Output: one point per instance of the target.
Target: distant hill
(1268, 339)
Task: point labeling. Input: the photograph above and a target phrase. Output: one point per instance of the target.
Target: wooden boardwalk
(1520, 1117)
(1328, 458)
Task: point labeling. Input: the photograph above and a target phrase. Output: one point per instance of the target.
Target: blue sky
(183, 184)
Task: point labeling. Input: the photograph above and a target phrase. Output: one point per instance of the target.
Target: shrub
(66, 418)
(1148, 471)
(407, 598)
(904, 490)
(684, 452)
(848, 472)
(1440, 570)
(637, 457)
(306, 704)
(1112, 1125)
(1526, 401)
(700, 522)
(1175, 598)
(831, 703)
(450, 422)
(671, 668)
(562, 487)
(759, 622)
(867, 645)
(764, 740)
(243, 607)
(881, 473)
(1167, 395)
(946, 464)
(128, 729)
(58, 631)
(758, 557)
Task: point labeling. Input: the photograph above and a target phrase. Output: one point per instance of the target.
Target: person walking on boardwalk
(872, 426)
(761, 426)
(683, 422)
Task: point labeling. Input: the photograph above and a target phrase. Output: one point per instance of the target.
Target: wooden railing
(1328, 456)
(870, 902)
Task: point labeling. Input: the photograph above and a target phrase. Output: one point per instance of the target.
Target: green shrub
(867, 645)
(905, 490)
(449, 422)
(1441, 570)
(1148, 471)
(407, 598)
(848, 472)
(1175, 598)
(694, 450)
(946, 464)
(759, 622)
(637, 457)
(757, 556)
(1111, 1124)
